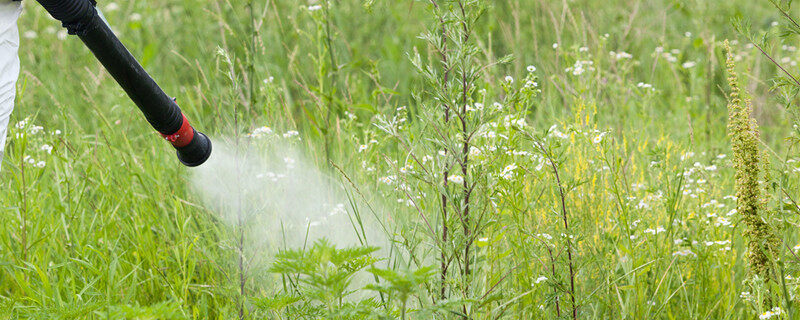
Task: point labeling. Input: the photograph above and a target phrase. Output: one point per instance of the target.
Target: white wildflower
(474, 152)
(289, 162)
(388, 179)
(655, 231)
(544, 235)
(339, 208)
(508, 171)
(722, 222)
(777, 311)
(35, 129)
(260, 132)
(621, 55)
(598, 138)
(684, 253)
(746, 295)
(708, 204)
(111, 7)
(455, 179)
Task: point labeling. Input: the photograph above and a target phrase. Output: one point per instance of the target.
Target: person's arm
(9, 65)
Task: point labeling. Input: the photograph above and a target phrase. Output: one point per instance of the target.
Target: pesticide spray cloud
(268, 185)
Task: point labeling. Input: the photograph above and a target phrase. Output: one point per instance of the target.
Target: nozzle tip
(196, 152)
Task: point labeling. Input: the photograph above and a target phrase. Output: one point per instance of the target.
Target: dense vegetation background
(625, 99)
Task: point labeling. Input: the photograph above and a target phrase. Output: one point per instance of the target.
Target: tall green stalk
(744, 136)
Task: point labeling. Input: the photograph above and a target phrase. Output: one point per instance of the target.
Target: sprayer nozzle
(196, 152)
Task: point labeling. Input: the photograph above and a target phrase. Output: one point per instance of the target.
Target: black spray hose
(81, 18)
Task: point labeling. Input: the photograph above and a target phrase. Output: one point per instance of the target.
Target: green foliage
(744, 132)
(625, 99)
(401, 284)
(322, 275)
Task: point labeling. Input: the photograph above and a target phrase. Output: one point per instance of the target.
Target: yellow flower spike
(623, 143)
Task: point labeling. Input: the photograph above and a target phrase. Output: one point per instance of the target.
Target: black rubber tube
(74, 14)
(160, 110)
(81, 18)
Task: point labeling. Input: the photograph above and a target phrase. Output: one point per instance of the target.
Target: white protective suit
(9, 64)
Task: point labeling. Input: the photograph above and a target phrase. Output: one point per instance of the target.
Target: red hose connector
(183, 136)
(193, 147)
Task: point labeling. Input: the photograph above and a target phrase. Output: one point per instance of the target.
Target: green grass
(112, 228)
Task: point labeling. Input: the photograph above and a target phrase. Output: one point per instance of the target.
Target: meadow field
(437, 159)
